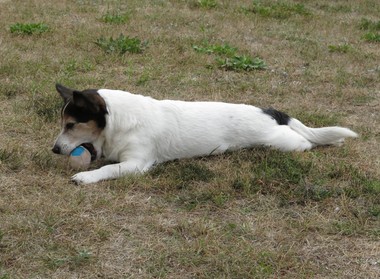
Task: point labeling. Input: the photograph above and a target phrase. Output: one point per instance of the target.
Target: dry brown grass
(248, 214)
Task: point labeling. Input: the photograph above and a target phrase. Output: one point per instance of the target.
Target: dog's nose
(56, 149)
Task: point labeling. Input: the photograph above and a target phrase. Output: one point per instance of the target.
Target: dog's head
(83, 119)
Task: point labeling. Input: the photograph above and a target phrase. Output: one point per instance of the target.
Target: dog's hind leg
(283, 138)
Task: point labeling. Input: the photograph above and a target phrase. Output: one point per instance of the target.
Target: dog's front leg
(110, 172)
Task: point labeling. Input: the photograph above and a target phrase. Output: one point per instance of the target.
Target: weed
(242, 62)
(220, 199)
(278, 10)
(115, 17)
(29, 28)
(207, 4)
(371, 186)
(121, 45)
(224, 49)
(366, 24)
(228, 59)
(372, 37)
(372, 27)
(344, 48)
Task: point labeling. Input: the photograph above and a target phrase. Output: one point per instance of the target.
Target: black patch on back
(280, 117)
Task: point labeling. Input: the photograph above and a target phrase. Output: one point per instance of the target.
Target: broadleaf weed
(115, 17)
(278, 10)
(344, 48)
(241, 62)
(366, 24)
(207, 4)
(372, 28)
(228, 58)
(121, 45)
(29, 28)
(372, 37)
(224, 49)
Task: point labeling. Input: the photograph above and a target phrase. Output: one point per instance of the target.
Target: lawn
(254, 213)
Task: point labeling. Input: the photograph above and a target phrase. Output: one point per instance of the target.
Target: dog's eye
(69, 126)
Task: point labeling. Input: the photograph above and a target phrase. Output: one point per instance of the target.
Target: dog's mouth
(90, 147)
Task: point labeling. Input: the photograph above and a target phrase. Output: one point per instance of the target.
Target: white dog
(139, 131)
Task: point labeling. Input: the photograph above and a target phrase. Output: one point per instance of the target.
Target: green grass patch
(372, 28)
(223, 49)
(366, 24)
(29, 28)
(241, 63)
(121, 44)
(206, 4)
(278, 9)
(228, 59)
(294, 179)
(343, 48)
(115, 17)
(372, 37)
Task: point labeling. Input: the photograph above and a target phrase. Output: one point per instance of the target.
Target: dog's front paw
(85, 177)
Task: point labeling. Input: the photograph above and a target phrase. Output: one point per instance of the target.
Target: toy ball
(80, 158)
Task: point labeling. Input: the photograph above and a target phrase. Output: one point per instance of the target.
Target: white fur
(142, 131)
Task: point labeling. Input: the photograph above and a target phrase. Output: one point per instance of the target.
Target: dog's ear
(66, 93)
(89, 100)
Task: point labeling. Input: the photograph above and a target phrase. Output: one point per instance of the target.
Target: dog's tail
(322, 136)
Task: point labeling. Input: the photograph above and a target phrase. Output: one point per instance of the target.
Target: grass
(255, 213)
(366, 24)
(115, 17)
(121, 44)
(372, 28)
(206, 4)
(342, 48)
(223, 49)
(28, 28)
(372, 37)
(278, 9)
(228, 59)
(242, 62)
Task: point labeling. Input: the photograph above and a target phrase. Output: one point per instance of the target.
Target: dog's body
(139, 131)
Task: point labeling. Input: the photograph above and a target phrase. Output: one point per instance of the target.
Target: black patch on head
(280, 117)
(88, 106)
